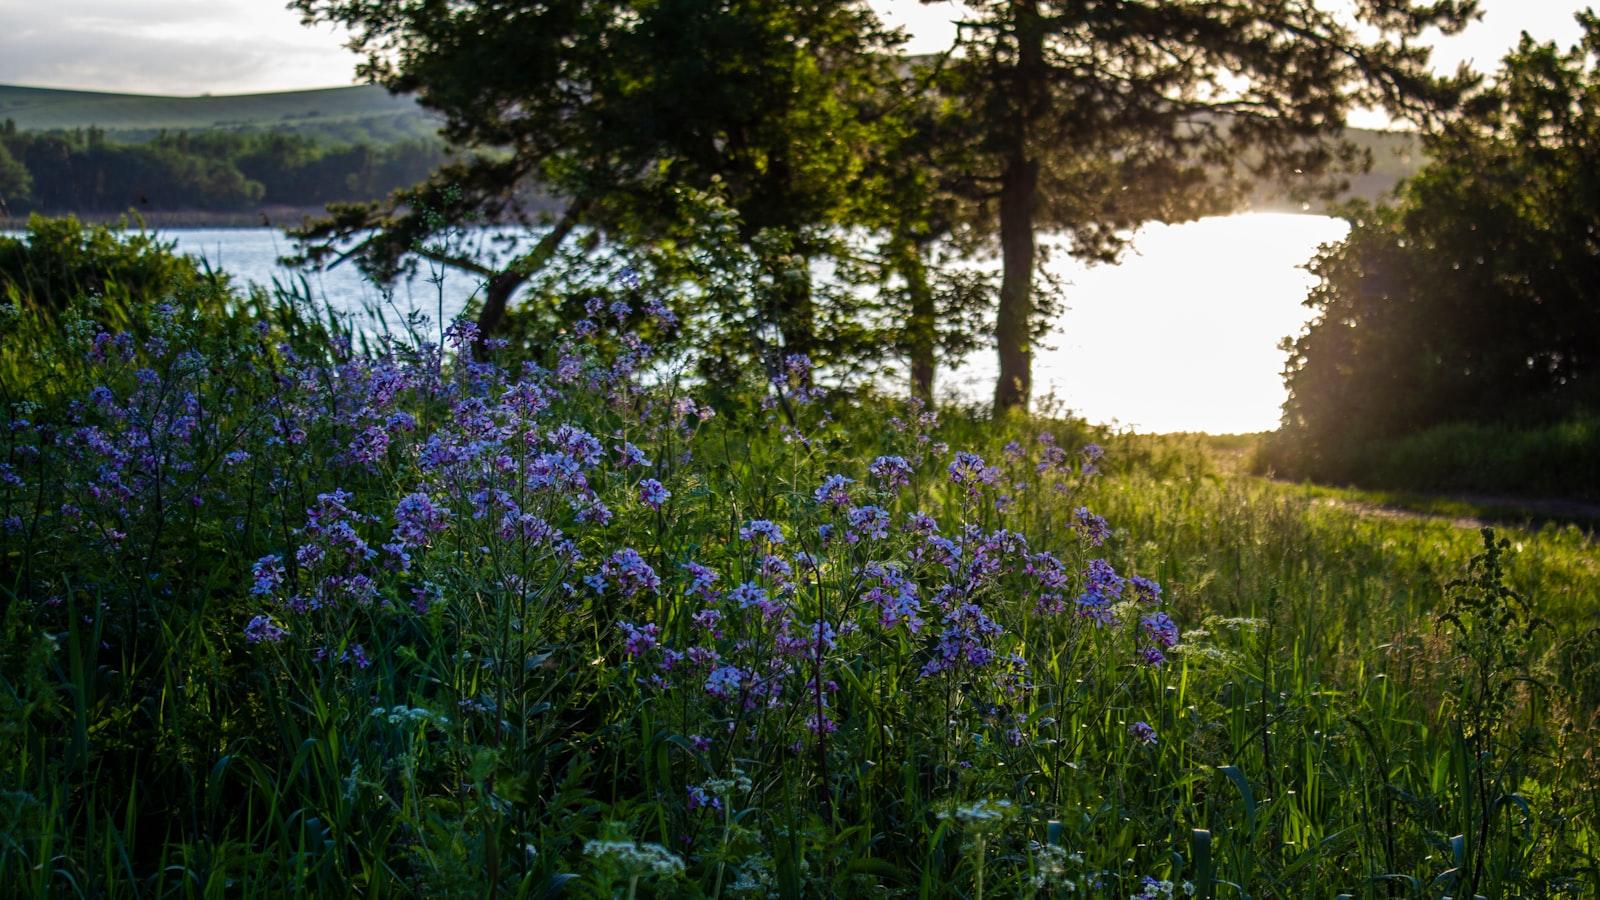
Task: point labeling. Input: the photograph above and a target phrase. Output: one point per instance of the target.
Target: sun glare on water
(1183, 334)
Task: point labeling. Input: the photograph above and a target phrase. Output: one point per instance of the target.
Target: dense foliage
(1471, 300)
(693, 128)
(215, 171)
(286, 617)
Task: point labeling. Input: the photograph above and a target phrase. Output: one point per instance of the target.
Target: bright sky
(242, 46)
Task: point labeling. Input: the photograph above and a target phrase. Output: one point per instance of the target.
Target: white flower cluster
(1050, 867)
(635, 858)
(408, 715)
(754, 878)
(981, 813)
(729, 787)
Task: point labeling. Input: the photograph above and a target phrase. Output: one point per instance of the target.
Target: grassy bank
(1559, 460)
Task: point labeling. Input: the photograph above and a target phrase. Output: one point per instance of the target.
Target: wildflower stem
(982, 852)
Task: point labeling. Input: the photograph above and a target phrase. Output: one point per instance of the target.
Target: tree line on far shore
(83, 171)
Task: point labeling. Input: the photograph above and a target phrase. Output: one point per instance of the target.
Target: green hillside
(360, 113)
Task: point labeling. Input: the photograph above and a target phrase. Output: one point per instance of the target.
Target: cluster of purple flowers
(834, 491)
(891, 472)
(511, 478)
(971, 472)
(757, 530)
(653, 493)
(417, 519)
(629, 572)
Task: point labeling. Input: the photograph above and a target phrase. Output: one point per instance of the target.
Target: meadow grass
(285, 618)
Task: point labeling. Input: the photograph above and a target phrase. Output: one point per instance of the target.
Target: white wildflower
(637, 859)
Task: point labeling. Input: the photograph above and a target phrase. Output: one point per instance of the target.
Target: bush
(61, 260)
(1558, 460)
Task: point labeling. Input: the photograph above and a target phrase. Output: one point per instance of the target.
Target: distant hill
(1396, 155)
(359, 114)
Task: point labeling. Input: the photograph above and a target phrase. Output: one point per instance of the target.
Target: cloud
(230, 46)
(169, 47)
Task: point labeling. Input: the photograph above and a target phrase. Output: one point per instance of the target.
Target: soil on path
(1486, 510)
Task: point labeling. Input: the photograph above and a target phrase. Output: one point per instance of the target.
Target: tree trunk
(501, 285)
(797, 317)
(922, 324)
(496, 297)
(1014, 320)
(1019, 190)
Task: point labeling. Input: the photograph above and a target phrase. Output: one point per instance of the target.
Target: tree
(1471, 300)
(618, 107)
(925, 233)
(1092, 117)
(539, 115)
(15, 181)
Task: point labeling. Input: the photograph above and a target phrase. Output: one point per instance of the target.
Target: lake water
(1182, 335)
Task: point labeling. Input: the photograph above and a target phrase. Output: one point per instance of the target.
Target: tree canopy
(626, 110)
(823, 147)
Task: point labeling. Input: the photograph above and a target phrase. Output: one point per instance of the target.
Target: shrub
(61, 260)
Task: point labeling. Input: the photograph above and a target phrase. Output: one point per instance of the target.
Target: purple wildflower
(724, 682)
(639, 640)
(866, 522)
(1161, 630)
(761, 529)
(891, 472)
(1092, 454)
(652, 493)
(835, 491)
(701, 580)
(268, 573)
(700, 798)
(1094, 528)
(1145, 591)
(1103, 579)
(417, 519)
(1152, 657)
(631, 573)
(261, 629)
(628, 455)
(970, 471)
(1096, 607)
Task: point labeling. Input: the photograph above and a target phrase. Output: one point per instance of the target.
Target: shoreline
(282, 217)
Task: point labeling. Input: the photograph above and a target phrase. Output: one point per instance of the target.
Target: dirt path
(1488, 509)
